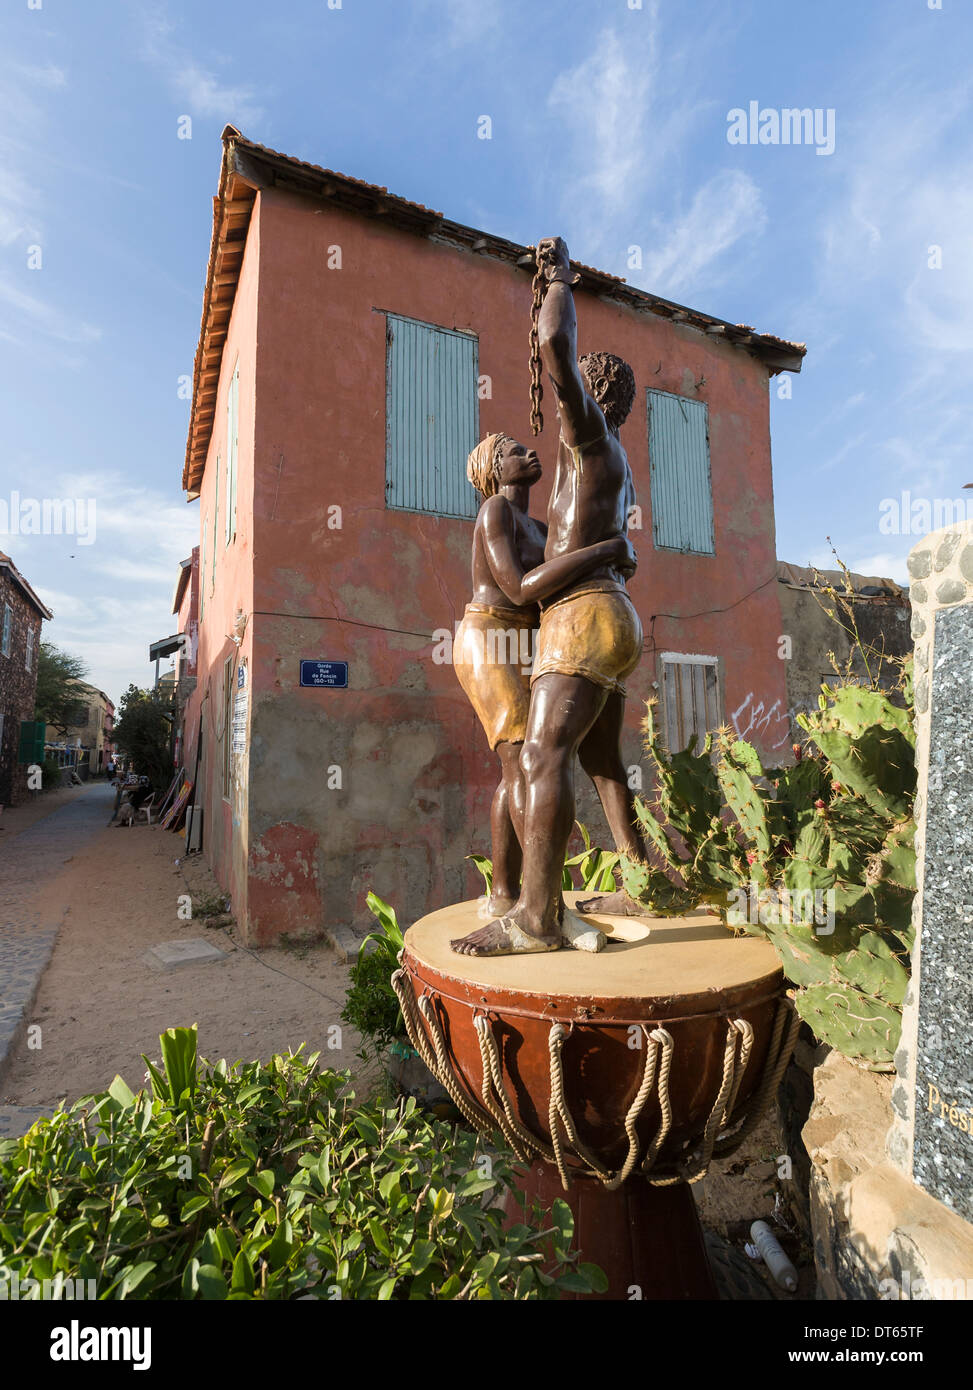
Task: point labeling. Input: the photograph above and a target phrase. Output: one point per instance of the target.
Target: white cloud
(201, 90)
(458, 24)
(907, 192)
(205, 95)
(903, 353)
(49, 75)
(627, 116)
(136, 571)
(726, 208)
(885, 565)
(115, 597)
(40, 316)
(603, 104)
(34, 323)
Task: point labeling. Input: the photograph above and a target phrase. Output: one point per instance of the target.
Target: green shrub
(50, 774)
(267, 1181)
(371, 1006)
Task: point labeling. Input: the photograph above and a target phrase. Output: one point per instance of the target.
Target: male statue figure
(590, 637)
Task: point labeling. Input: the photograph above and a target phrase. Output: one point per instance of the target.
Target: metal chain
(536, 386)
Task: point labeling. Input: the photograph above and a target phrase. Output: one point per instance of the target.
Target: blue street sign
(333, 674)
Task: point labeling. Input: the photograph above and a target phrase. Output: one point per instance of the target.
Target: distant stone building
(882, 615)
(87, 742)
(21, 615)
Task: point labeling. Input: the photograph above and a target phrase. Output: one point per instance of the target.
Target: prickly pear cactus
(834, 830)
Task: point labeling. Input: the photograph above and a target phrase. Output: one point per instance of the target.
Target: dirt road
(99, 1005)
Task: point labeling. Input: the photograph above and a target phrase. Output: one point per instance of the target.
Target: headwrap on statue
(483, 464)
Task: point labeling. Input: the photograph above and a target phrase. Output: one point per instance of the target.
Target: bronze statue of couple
(588, 635)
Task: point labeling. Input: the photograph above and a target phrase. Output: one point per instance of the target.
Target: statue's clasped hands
(554, 261)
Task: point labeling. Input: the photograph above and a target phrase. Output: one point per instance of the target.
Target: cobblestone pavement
(31, 914)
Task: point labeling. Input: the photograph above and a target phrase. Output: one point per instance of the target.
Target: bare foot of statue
(617, 904)
(508, 937)
(496, 905)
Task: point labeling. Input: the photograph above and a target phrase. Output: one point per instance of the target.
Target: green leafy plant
(58, 699)
(175, 1083)
(274, 1184)
(371, 1005)
(50, 774)
(143, 731)
(595, 868)
(485, 867)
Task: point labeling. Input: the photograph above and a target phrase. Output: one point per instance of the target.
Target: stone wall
(941, 566)
(18, 686)
(876, 1234)
(882, 622)
(887, 1212)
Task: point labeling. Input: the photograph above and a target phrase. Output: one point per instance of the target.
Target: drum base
(647, 1239)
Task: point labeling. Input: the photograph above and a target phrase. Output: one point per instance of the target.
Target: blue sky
(609, 126)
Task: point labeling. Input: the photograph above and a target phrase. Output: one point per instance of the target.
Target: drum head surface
(664, 959)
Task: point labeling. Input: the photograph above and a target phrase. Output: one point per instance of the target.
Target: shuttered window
(227, 726)
(202, 567)
(8, 617)
(679, 473)
(31, 746)
(216, 526)
(232, 453)
(432, 418)
(690, 699)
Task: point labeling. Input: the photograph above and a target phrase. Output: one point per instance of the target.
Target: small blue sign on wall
(333, 674)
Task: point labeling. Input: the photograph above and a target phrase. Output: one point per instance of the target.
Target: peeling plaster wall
(416, 775)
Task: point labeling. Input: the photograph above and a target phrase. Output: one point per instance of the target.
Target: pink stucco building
(353, 347)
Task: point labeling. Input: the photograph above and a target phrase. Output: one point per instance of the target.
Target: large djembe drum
(615, 1078)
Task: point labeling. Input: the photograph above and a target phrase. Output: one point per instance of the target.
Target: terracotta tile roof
(244, 143)
(248, 166)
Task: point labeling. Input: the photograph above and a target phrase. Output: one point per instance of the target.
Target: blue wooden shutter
(432, 416)
(216, 527)
(679, 473)
(202, 566)
(232, 451)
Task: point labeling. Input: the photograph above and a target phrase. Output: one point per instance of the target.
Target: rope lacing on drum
(498, 1114)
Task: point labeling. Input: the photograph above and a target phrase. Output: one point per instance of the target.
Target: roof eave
(23, 585)
(248, 167)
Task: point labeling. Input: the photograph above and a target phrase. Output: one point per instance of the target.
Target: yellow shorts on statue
(594, 633)
(491, 653)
